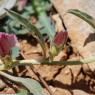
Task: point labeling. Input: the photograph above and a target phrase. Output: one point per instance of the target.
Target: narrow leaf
(15, 52)
(89, 19)
(33, 86)
(46, 22)
(31, 28)
(20, 92)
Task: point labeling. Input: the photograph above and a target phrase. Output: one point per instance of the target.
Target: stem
(77, 62)
(42, 44)
(35, 62)
(29, 61)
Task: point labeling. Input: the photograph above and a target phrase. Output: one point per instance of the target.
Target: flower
(21, 4)
(61, 35)
(7, 41)
(61, 38)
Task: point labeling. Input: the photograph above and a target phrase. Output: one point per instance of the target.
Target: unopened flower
(21, 4)
(7, 41)
(61, 34)
(61, 38)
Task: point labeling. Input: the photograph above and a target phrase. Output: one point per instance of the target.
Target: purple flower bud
(7, 41)
(21, 4)
(60, 38)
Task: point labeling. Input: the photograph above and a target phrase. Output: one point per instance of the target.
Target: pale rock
(64, 77)
(75, 70)
(48, 71)
(80, 92)
(61, 91)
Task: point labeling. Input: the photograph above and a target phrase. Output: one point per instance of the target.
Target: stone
(75, 70)
(61, 91)
(64, 77)
(79, 92)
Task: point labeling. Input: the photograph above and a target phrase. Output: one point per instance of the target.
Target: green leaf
(15, 27)
(20, 92)
(31, 28)
(47, 6)
(32, 85)
(15, 52)
(24, 22)
(39, 8)
(48, 27)
(29, 9)
(89, 19)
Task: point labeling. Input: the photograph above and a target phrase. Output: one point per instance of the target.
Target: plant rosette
(8, 4)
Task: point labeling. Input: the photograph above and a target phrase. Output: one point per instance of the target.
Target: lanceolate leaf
(31, 28)
(89, 19)
(43, 18)
(33, 86)
(22, 92)
(15, 52)
(46, 22)
(22, 21)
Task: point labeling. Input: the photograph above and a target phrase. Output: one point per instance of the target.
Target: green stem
(77, 62)
(46, 62)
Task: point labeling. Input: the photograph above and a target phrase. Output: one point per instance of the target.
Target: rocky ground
(64, 79)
